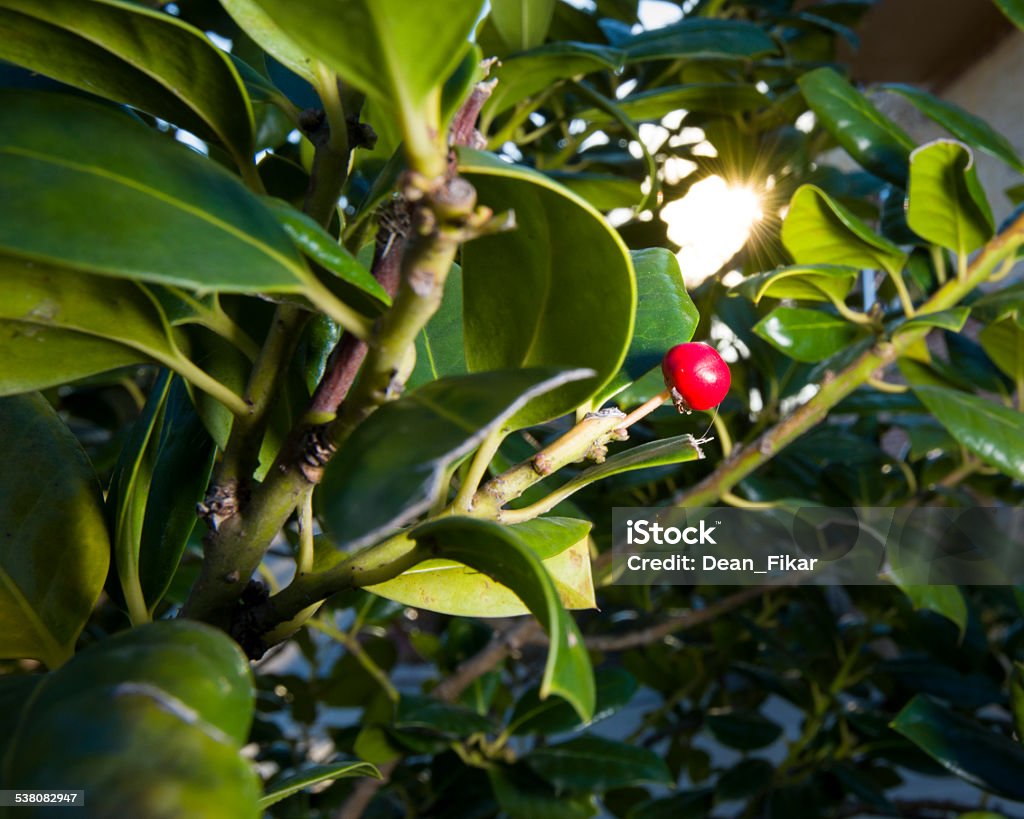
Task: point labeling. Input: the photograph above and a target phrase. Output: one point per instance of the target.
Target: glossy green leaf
(991, 431)
(746, 731)
(818, 230)
(665, 316)
(806, 335)
(960, 123)
(397, 461)
(952, 320)
(604, 191)
(268, 35)
(521, 794)
(197, 664)
(522, 24)
(37, 357)
(137, 751)
(712, 97)
(396, 52)
(183, 307)
(973, 752)
(54, 547)
(448, 719)
(1014, 10)
(133, 55)
(812, 282)
(499, 553)
(321, 247)
(534, 299)
(451, 588)
(947, 601)
(700, 37)
(311, 775)
(594, 763)
(946, 204)
(666, 452)
(523, 75)
(614, 688)
(1003, 341)
(871, 138)
(95, 172)
(439, 346)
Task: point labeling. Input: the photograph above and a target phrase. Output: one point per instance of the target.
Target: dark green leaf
(716, 98)
(522, 24)
(991, 431)
(439, 346)
(665, 316)
(603, 191)
(54, 547)
(523, 75)
(594, 763)
(1003, 340)
(97, 172)
(819, 231)
(963, 125)
(946, 204)
(417, 712)
(806, 335)
(534, 299)
(151, 61)
(977, 754)
(614, 688)
(451, 588)
(268, 35)
(746, 779)
(311, 775)
(871, 138)
(499, 553)
(1014, 9)
(746, 731)
(396, 462)
(522, 795)
(15, 691)
(700, 37)
(1017, 699)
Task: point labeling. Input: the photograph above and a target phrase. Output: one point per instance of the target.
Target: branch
(836, 387)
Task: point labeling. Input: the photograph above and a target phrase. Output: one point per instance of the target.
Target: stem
(723, 434)
(304, 559)
(646, 408)
(904, 294)
(939, 263)
(885, 386)
(835, 388)
(354, 648)
(478, 469)
(211, 386)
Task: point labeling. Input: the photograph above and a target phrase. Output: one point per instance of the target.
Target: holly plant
(332, 331)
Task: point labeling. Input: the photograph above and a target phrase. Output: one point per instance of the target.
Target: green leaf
(137, 751)
(991, 431)
(812, 282)
(523, 75)
(439, 347)
(1014, 10)
(710, 97)
(594, 763)
(502, 555)
(15, 691)
(448, 719)
(746, 731)
(268, 35)
(952, 320)
(947, 601)
(665, 315)
(614, 688)
(960, 123)
(39, 357)
(666, 452)
(523, 795)
(946, 204)
(132, 55)
(534, 299)
(806, 335)
(871, 138)
(700, 37)
(1003, 341)
(964, 747)
(1017, 699)
(316, 243)
(397, 461)
(396, 52)
(522, 24)
(54, 547)
(604, 191)
(97, 172)
(310, 775)
(451, 588)
(819, 231)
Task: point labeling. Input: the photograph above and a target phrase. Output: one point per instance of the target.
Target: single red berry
(697, 374)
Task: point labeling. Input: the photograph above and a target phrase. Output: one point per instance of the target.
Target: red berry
(697, 373)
